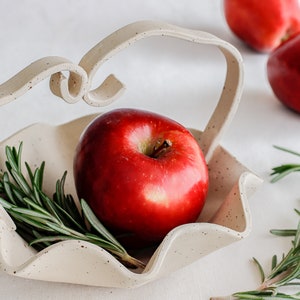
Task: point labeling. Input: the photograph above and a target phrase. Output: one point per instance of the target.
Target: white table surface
(174, 78)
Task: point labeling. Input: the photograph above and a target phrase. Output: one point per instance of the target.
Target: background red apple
(263, 24)
(283, 70)
(142, 174)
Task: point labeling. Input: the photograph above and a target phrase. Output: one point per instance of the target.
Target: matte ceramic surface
(225, 218)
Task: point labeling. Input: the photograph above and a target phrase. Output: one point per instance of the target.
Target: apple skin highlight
(142, 173)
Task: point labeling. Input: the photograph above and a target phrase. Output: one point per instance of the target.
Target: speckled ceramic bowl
(225, 218)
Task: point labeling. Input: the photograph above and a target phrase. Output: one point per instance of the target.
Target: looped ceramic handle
(78, 85)
(131, 33)
(70, 90)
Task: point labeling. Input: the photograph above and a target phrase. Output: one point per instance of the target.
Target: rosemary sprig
(42, 221)
(283, 170)
(286, 272)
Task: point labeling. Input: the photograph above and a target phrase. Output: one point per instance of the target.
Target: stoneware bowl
(225, 219)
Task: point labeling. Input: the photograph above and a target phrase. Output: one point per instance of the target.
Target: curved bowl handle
(78, 85)
(69, 90)
(134, 32)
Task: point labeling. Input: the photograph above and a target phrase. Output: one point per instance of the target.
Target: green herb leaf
(93, 220)
(281, 171)
(42, 221)
(261, 270)
(286, 272)
(283, 232)
(50, 239)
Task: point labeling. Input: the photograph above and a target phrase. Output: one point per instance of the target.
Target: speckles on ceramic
(225, 218)
(83, 263)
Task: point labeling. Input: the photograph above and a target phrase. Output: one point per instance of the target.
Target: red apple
(283, 70)
(263, 24)
(142, 174)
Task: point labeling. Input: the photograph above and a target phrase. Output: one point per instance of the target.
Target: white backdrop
(160, 76)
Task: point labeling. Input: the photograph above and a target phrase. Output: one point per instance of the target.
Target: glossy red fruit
(142, 174)
(263, 24)
(283, 70)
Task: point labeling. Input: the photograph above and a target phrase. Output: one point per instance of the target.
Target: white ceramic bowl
(225, 218)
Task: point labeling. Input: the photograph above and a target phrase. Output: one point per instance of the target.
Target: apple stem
(161, 148)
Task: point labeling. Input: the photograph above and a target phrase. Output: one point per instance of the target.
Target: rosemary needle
(286, 272)
(283, 170)
(42, 220)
